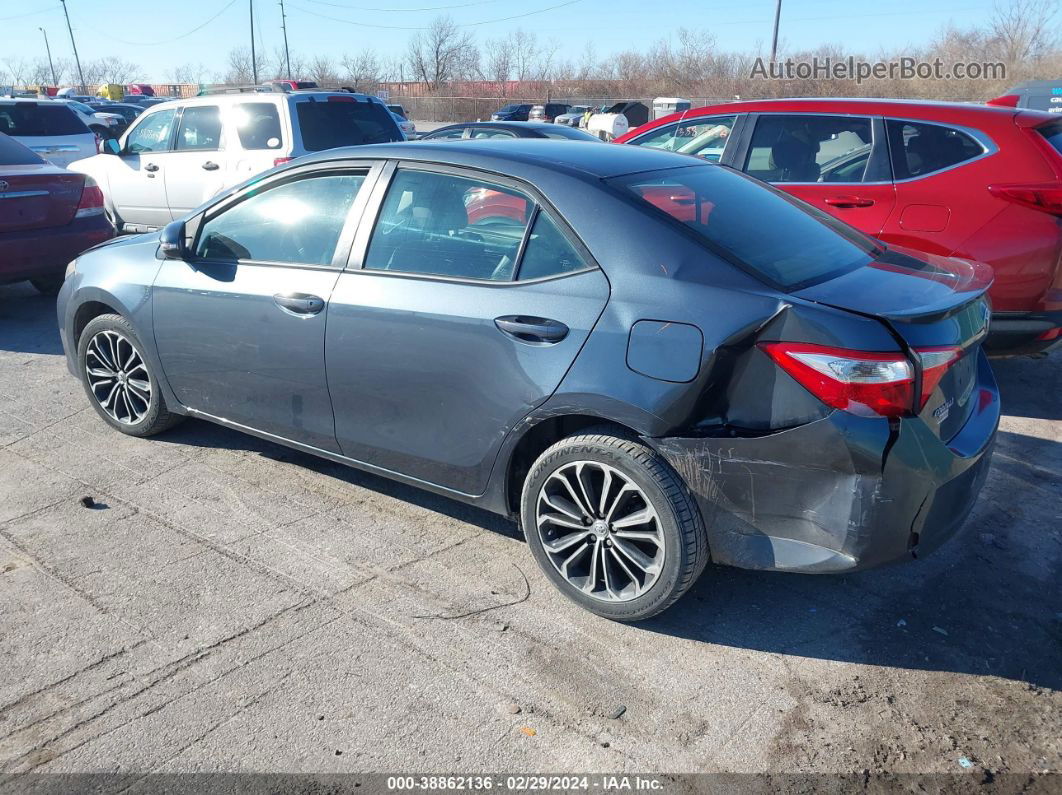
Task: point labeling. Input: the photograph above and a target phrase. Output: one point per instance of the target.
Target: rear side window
(808, 148)
(919, 149)
(449, 226)
(326, 125)
(40, 119)
(200, 129)
(548, 252)
(258, 125)
(12, 153)
(760, 229)
(1053, 133)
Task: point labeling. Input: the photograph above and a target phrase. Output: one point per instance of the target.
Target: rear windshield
(1052, 131)
(12, 153)
(326, 125)
(33, 119)
(779, 239)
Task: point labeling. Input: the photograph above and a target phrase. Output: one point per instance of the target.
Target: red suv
(970, 181)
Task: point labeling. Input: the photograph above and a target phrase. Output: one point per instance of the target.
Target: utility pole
(777, 18)
(284, 27)
(48, 49)
(70, 30)
(254, 60)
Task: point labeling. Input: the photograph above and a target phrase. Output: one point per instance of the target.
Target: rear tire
(612, 525)
(118, 378)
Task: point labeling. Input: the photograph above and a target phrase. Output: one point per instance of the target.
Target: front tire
(612, 525)
(118, 379)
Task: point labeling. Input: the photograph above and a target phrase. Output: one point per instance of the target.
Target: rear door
(837, 163)
(461, 310)
(197, 168)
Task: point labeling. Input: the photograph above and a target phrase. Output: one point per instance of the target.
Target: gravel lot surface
(229, 604)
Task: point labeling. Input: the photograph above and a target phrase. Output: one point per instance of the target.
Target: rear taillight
(279, 161)
(862, 382)
(1051, 334)
(91, 202)
(1005, 101)
(935, 362)
(1047, 198)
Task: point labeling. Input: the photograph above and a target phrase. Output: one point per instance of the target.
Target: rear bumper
(1018, 333)
(840, 494)
(45, 252)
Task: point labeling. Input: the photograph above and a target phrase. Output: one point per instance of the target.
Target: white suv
(51, 129)
(177, 155)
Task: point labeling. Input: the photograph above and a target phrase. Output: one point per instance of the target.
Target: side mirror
(171, 241)
(109, 146)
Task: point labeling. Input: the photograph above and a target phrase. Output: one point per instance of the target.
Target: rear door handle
(210, 165)
(151, 167)
(532, 329)
(299, 303)
(848, 201)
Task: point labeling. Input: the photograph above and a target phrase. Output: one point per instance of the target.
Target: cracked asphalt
(231, 605)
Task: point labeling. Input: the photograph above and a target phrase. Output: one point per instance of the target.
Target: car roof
(855, 104)
(520, 157)
(266, 96)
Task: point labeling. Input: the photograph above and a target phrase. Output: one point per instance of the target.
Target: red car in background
(48, 216)
(969, 181)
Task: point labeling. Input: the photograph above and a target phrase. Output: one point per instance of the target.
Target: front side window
(730, 214)
(920, 149)
(296, 222)
(808, 148)
(446, 225)
(447, 135)
(705, 138)
(258, 125)
(152, 134)
(200, 129)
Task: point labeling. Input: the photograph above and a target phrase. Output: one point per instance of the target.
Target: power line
(28, 14)
(196, 29)
(421, 27)
(399, 10)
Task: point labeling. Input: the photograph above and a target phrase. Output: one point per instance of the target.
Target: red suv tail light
(279, 161)
(1047, 198)
(91, 202)
(862, 382)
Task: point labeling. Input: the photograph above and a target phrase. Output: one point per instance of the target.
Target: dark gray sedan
(474, 131)
(649, 360)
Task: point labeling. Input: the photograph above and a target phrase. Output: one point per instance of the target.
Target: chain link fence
(463, 109)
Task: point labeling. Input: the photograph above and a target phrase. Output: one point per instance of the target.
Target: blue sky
(133, 29)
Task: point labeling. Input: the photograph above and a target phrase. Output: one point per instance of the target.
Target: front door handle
(532, 329)
(848, 201)
(299, 303)
(151, 167)
(210, 165)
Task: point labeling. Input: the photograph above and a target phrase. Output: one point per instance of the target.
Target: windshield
(762, 230)
(81, 106)
(345, 122)
(12, 153)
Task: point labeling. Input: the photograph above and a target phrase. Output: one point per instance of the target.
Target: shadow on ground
(28, 321)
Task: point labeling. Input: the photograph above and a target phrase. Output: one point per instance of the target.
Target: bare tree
(188, 73)
(442, 53)
(1022, 30)
(239, 70)
(323, 70)
(16, 71)
(362, 72)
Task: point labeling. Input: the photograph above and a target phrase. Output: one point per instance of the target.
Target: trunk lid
(38, 196)
(930, 303)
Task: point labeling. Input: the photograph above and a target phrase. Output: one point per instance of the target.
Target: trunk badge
(941, 412)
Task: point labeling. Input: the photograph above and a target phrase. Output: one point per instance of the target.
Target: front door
(837, 163)
(137, 177)
(240, 328)
(471, 306)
